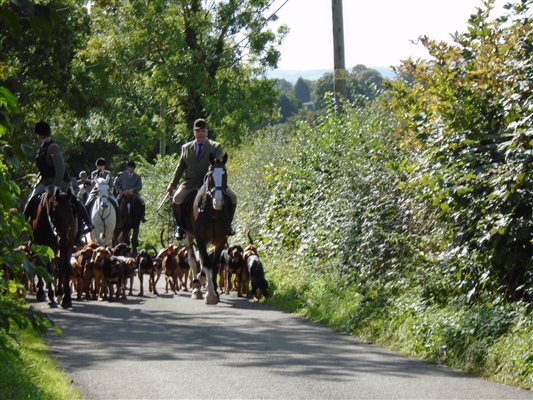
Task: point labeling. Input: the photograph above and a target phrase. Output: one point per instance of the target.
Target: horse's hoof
(52, 304)
(197, 294)
(210, 299)
(66, 304)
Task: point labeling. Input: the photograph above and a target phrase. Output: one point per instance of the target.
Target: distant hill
(293, 75)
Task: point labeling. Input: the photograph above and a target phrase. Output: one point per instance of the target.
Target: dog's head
(236, 254)
(183, 258)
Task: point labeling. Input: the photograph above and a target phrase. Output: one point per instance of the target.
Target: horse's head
(62, 217)
(217, 180)
(103, 191)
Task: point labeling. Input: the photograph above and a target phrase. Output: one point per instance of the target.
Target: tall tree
(301, 90)
(170, 62)
(38, 47)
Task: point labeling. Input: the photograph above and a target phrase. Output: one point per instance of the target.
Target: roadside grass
(35, 374)
(494, 341)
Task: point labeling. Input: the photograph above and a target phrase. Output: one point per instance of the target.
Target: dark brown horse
(206, 221)
(55, 225)
(129, 218)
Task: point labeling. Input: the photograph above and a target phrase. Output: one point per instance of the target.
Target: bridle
(217, 173)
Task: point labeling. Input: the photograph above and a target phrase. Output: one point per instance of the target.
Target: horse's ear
(211, 158)
(225, 158)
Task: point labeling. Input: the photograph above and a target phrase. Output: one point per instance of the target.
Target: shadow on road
(236, 333)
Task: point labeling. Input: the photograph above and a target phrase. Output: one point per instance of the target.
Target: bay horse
(55, 225)
(206, 221)
(130, 214)
(103, 215)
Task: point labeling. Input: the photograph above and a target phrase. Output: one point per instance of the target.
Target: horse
(206, 221)
(55, 225)
(129, 219)
(103, 215)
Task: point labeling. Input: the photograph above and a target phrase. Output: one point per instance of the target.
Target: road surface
(172, 347)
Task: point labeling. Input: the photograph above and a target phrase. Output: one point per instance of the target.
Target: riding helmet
(42, 128)
(131, 163)
(100, 161)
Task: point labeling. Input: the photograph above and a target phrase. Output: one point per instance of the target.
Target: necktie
(200, 145)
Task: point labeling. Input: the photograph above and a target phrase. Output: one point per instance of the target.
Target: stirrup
(231, 231)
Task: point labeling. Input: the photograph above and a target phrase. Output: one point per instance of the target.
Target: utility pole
(338, 50)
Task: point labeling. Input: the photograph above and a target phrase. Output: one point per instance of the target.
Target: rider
(83, 182)
(52, 175)
(130, 182)
(193, 166)
(100, 172)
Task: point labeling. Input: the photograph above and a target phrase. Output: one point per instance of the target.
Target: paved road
(172, 347)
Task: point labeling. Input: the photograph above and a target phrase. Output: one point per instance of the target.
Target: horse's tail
(250, 238)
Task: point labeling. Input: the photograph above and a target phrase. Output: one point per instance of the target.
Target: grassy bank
(490, 340)
(35, 374)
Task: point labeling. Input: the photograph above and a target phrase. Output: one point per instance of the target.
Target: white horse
(103, 215)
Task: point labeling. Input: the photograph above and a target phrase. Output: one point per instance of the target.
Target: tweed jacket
(124, 182)
(193, 169)
(54, 158)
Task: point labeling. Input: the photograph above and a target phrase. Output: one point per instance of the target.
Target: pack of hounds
(100, 272)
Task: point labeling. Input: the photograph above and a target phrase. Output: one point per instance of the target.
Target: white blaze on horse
(103, 215)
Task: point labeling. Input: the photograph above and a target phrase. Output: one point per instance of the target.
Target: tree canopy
(167, 63)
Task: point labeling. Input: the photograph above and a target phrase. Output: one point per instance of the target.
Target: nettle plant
(470, 109)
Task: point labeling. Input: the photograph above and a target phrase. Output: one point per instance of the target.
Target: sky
(377, 33)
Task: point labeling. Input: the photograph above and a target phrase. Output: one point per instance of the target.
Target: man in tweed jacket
(192, 166)
(130, 182)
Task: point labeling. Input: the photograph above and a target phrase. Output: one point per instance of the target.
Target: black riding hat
(100, 161)
(200, 124)
(42, 128)
(131, 163)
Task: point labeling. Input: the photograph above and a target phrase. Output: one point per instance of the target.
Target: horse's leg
(126, 236)
(64, 279)
(195, 282)
(141, 275)
(211, 297)
(135, 239)
(51, 294)
(41, 295)
(216, 267)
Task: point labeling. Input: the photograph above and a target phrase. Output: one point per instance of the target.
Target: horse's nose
(217, 204)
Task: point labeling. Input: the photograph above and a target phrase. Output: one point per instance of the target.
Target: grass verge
(35, 374)
(490, 340)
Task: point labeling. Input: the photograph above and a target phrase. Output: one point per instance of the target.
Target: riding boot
(84, 215)
(180, 233)
(232, 210)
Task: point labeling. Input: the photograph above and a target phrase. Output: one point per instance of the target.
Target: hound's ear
(225, 158)
(211, 158)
